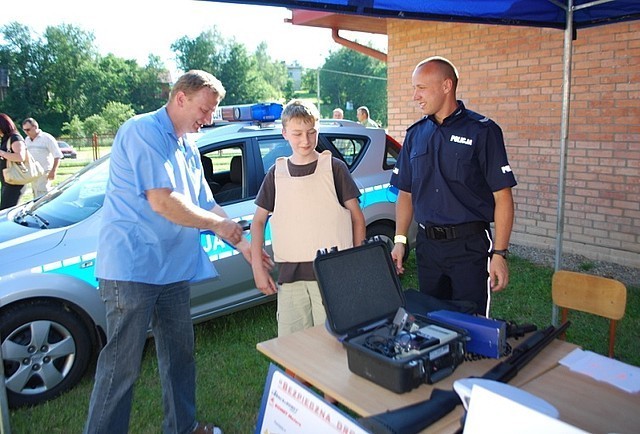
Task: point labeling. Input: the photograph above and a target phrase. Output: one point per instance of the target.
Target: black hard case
(361, 294)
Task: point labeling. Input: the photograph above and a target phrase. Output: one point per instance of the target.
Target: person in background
(338, 113)
(313, 203)
(363, 117)
(157, 201)
(454, 179)
(12, 148)
(45, 150)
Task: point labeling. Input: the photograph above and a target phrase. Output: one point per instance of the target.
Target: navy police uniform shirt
(452, 170)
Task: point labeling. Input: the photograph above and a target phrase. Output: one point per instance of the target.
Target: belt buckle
(439, 232)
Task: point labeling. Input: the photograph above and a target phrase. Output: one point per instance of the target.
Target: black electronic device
(416, 417)
(364, 302)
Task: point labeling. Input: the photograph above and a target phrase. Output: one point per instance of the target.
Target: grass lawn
(231, 372)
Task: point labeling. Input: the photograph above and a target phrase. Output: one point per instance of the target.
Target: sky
(133, 29)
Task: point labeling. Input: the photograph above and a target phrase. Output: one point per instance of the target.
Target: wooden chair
(592, 294)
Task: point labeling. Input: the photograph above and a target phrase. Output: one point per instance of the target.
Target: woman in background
(12, 148)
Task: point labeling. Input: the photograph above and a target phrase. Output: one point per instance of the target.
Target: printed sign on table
(288, 407)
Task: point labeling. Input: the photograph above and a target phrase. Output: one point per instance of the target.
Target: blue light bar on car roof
(263, 112)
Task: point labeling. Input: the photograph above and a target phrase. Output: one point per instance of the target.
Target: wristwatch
(504, 253)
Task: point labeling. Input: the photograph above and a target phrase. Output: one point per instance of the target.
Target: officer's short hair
(446, 66)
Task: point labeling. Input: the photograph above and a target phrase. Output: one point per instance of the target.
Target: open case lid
(359, 286)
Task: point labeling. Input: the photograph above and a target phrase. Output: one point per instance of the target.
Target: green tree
(22, 57)
(110, 79)
(205, 52)
(351, 77)
(74, 128)
(151, 87)
(68, 66)
(268, 77)
(310, 80)
(115, 114)
(247, 77)
(289, 92)
(61, 75)
(236, 73)
(95, 124)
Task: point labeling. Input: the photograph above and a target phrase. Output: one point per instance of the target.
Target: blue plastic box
(486, 336)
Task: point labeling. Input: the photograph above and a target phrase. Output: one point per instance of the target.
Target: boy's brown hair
(300, 109)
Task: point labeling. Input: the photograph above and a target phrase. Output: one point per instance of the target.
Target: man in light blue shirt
(156, 203)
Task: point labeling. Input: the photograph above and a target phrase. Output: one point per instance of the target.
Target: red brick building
(514, 75)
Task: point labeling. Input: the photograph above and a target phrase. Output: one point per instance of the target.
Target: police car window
(349, 147)
(392, 150)
(224, 172)
(271, 149)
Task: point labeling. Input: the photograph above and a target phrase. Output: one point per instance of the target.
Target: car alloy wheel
(46, 349)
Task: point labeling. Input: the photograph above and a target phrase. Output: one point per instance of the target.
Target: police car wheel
(46, 350)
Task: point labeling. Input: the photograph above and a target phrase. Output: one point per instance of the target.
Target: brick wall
(514, 75)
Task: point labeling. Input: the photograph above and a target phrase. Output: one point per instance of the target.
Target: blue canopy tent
(569, 15)
(538, 13)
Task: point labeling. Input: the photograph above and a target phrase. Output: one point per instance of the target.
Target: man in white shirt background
(363, 117)
(45, 150)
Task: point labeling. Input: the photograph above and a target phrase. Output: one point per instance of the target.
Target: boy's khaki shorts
(299, 307)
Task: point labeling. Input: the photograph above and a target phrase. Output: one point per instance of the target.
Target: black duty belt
(451, 232)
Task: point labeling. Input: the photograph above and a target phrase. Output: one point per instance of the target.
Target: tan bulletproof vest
(307, 215)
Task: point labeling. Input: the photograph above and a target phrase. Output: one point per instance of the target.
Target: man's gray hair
(364, 109)
(32, 122)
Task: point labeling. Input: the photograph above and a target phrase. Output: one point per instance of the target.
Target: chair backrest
(592, 294)
(588, 293)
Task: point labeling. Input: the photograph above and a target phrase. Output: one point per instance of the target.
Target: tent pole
(564, 134)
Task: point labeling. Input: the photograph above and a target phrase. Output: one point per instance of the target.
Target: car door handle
(244, 224)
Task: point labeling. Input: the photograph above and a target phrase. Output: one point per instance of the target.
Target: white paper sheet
(601, 368)
(492, 413)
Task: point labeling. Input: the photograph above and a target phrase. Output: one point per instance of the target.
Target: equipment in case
(365, 303)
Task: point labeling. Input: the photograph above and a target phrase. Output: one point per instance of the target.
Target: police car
(52, 320)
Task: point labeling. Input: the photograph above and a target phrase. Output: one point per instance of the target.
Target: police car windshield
(76, 198)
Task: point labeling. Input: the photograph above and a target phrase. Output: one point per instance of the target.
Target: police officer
(454, 178)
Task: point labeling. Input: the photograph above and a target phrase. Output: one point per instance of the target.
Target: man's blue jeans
(131, 308)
